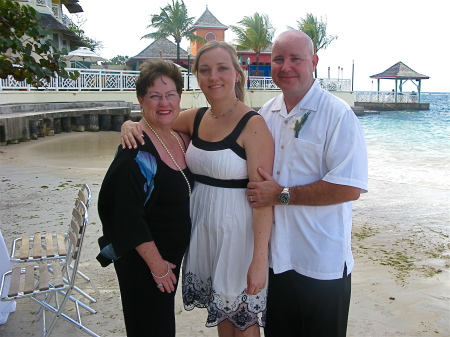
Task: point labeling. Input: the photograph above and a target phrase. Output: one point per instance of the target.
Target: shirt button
(285, 122)
(282, 147)
(278, 172)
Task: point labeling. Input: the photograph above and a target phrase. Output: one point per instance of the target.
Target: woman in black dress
(144, 207)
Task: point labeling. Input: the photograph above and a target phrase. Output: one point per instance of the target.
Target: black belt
(234, 183)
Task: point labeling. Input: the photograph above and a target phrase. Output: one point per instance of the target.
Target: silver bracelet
(168, 271)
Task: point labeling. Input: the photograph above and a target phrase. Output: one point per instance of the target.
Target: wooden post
(117, 121)
(92, 123)
(33, 129)
(78, 123)
(105, 122)
(40, 128)
(57, 125)
(49, 129)
(66, 124)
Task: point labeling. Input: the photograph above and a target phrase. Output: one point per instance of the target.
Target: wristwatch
(285, 196)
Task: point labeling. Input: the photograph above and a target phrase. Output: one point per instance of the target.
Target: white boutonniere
(298, 122)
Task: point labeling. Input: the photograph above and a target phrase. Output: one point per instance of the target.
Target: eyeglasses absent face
(171, 96)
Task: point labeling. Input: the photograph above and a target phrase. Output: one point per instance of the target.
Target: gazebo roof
(399, 71)
(208, 20)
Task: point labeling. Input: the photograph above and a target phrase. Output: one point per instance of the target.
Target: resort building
(52, 17)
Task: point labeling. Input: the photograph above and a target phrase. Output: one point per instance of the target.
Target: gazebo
(401, 73)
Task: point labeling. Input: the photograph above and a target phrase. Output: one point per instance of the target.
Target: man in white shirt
(320, 167)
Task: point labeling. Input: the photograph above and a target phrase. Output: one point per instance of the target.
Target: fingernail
(135, 146)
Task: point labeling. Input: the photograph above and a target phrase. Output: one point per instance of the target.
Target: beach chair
(45, 247)
(44, 282)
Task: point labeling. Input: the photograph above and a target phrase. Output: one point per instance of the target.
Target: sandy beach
(401, 281)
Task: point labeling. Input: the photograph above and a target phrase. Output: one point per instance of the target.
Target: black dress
(141, 200)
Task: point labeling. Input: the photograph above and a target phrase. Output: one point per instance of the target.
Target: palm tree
(255, 32)
(317, 31)
(173, 21)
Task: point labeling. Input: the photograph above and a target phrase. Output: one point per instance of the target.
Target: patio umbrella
(84, 54)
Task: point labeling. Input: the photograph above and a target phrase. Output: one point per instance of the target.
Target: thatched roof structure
(158, 49)
(400, 71)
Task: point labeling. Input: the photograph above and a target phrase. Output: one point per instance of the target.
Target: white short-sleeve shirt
(315, 241)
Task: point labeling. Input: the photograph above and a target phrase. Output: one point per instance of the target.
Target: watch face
(284, 198)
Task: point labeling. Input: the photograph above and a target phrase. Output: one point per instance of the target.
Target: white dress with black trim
(221, 249)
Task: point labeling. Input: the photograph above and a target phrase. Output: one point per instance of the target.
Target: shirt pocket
(305, 159)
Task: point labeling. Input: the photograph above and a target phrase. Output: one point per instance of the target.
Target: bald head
(297, 38)
(293, 65)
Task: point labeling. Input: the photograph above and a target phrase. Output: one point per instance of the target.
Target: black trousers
(304, 307)
(147, 311)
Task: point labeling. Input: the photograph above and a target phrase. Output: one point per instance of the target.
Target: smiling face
(293, 63)
(161, 104)
(216, 74)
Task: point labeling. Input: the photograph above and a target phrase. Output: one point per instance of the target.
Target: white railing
(89, 79)
(56, 10)
(120, 80)
(330, 84)
(335, 84)
(44, 3)
(261, 83)
(385, 97)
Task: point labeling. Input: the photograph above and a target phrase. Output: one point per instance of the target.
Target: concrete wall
(189, 99)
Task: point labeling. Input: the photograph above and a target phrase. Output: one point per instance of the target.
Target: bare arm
(259, 148)
(320, 193)
(149, 252)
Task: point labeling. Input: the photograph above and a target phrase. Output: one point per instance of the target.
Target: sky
(372, 36)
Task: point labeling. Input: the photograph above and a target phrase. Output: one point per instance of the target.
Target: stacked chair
(46, 268)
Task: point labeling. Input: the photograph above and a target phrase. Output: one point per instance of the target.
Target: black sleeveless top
(228, 142)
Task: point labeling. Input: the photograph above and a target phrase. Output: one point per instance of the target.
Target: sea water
(411, 147)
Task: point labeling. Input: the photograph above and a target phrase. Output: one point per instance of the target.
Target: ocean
(411, 147)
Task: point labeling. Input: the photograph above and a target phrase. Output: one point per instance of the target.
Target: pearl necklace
(226, 113)
(170, 154)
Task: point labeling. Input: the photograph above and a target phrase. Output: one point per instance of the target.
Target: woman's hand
(164, 277)
(256, 277)
(129, 133)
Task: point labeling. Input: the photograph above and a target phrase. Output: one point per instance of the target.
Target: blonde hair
(239, 86)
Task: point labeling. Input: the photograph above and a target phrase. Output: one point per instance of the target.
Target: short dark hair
(150, 70)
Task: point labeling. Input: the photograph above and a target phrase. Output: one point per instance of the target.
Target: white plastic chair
(45, 247)
(51, 283)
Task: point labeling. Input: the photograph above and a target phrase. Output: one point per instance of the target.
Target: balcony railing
(120, 80)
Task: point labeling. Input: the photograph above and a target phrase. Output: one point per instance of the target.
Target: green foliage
(173, 21)
(316, 30)
(118, 60)
(26, 52)
(255, 33)
(92, 44)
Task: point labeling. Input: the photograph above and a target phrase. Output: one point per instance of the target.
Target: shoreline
(400, 283)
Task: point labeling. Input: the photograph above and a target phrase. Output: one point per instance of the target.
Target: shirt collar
(309, 102)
